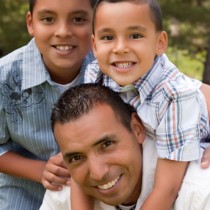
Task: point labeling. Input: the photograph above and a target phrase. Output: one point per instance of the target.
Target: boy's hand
(205, 160)
(55, 174)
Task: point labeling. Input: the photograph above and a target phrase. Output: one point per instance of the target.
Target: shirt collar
(35, 72)
(145, 84)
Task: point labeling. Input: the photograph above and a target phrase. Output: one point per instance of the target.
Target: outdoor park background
(186, 21)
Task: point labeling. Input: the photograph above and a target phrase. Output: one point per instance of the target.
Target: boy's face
(126, 41)
(62, 31)
(103, 156)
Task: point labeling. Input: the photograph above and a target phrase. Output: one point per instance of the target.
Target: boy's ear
(162, 43)
(137, 128)
(93, 45)
(29, 23)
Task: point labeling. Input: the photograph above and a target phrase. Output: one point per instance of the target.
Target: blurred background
(186, 21)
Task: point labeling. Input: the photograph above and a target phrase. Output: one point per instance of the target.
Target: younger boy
(129, 43)
(31, 80)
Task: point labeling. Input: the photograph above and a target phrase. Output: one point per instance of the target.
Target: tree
(193, 21)
(13, 31)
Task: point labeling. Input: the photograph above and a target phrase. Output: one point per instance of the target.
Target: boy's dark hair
(79, 100)
(33, 2)
(156, 14)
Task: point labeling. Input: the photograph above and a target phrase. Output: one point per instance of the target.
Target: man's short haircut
(33, 2)
(155, 11)
(79, 100)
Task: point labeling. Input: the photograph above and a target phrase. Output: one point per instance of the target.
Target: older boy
(31, 80)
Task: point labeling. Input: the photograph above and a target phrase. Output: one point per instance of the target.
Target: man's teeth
(63, 47)
(123, 65)
(109, 185)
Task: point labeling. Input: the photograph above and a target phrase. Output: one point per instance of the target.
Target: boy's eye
(48, 19)
(78, 20)
(136, 36)
(107, 38)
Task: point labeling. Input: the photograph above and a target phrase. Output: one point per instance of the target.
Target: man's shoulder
(54, 200)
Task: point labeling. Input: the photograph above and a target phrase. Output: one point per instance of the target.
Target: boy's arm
(79, 200)
(15, 165)
(168, 179)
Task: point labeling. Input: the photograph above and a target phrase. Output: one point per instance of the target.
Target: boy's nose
(120, 47)
(64, 30)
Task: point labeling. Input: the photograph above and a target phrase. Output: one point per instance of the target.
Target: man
(109, 155)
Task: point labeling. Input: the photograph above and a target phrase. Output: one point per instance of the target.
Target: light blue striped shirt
(27, 95)
(170, 105)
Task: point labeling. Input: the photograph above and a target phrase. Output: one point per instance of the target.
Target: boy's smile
(62, 34)
(126, 40)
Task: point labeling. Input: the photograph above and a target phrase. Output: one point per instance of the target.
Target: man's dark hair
(33, 2)
(79, 100)
(156, 14)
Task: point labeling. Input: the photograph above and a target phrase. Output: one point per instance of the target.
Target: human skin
(62, 31)
(103, 157)
(126, 51)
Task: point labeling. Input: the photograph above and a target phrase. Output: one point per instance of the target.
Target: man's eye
(136, 36)
(75, 158)
(107, 144)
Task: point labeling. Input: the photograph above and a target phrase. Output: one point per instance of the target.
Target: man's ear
(29, 23)
(94, 45)
(137, 128)
(162, 43)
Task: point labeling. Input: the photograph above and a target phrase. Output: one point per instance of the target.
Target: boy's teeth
(123, 65)
(64, 47)
(108, 185)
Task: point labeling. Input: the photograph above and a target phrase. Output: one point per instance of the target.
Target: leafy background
(186, 21)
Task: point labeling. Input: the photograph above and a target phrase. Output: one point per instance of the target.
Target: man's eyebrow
(100, 141)
(104, 139)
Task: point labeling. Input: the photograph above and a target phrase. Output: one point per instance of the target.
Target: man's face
(103, 157)
(62, 31)
(126, 40)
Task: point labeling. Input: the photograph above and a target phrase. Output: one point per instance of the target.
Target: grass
(191, 65)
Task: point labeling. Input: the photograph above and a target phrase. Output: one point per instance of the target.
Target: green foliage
(191, 65)
(189, 44)
(13, 31)
(187, 49)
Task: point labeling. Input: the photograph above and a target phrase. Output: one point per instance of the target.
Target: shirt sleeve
(54, 200)
(195, 190)
(184, 123)
(5, 143)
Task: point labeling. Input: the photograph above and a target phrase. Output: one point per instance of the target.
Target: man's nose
(97, 168)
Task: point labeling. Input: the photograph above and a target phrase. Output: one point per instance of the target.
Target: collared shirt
(170, 105)
(27, 95)
(193, 195)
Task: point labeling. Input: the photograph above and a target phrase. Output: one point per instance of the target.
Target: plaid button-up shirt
(170, 105)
